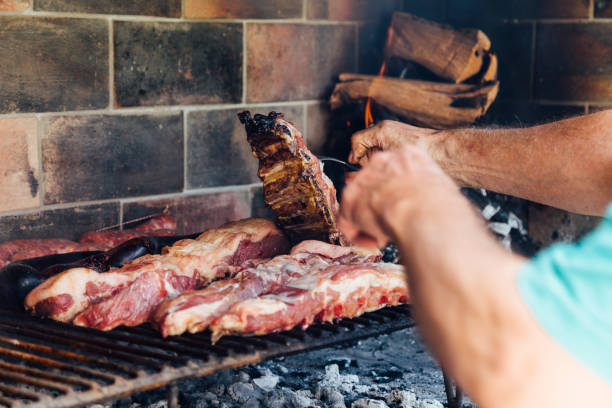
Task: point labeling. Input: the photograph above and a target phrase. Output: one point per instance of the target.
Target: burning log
(429, 104)
(452, 54)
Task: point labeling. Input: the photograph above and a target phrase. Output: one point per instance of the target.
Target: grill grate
(49, 364)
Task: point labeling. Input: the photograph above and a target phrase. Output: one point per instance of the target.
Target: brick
(603, 8)
(599, 108)
(162, 8)
(548, 225)
(195, 213)
(104, 156)
(434, 10)
(574, 62)
(258, 207)
(264, 9)
(297, 61)
(177, 63)
(318, 119)
(19, 178)
(14, 5)
(68, 223)
(478, 10)
(512, 44)
(218, 153)
(516, 114)
(352, 9)
(53, 64)
(372, 39)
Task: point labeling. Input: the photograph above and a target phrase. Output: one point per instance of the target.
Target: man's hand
(393, 183)
(386, 135)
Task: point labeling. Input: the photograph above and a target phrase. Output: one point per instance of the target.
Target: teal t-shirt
(568, 287)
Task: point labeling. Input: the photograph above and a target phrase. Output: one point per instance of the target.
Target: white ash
(500, 228)
(368, 403)
(489, 211)
(267, 381)
(402, 398)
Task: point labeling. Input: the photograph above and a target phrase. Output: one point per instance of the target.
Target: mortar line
(185, 151)
(533, 60)
(136, 18)
(554, 102)
(305, 123)
(591, 9)
(587, 108)
(183, 2)
(304, 10)
(123, 200)
(558, 20)
(120, 220)
(244, 62)
(41, 175)
(155, 109)
(111, 64)
(357, 51)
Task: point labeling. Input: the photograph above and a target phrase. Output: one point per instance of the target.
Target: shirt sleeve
(568, 288)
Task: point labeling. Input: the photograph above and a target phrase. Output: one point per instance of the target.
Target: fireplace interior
(113, 112)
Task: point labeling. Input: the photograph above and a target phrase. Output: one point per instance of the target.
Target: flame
(369, 119)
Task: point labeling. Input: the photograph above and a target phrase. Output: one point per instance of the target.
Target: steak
(295, 187)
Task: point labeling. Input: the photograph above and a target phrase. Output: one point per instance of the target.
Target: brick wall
(555, 62)
(112, 109)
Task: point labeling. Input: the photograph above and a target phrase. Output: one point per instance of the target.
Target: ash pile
(393, 370)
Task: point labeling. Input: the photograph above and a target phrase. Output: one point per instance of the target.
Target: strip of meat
(295, 187)
(188, 264)
(193, 311)
(335, 292)
(160, 225)
(12, 251)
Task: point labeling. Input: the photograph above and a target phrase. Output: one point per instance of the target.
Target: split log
(422, 103)
(452, 54)
(490, 73)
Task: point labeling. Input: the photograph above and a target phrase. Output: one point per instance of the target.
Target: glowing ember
(369, 119)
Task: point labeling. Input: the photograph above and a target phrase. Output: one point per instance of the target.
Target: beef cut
(11, 251)
(295, 187)
(193, 311)
(128, 295)
(345, 290)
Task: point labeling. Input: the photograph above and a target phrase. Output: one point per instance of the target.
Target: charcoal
(402, 398)
(267, 382)
(429, 403)
(303, 399)
(368, 403)
(278, 399)
(217, 389)
(242, 392)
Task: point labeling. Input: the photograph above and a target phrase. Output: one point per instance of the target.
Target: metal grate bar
(48, 364)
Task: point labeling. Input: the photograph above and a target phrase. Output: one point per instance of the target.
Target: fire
(369, 119)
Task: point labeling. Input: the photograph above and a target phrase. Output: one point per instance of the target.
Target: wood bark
(452, 54)
(428, 104)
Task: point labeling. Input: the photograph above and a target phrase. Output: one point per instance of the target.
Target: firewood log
(430, 104)
(452, 54)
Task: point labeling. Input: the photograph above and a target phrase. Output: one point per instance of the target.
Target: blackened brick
(68, 223)
(603, 8)
(512, 45)
(218, 153)
(14, 5)
(19, 178)
(574, 62)
(102, 156)
(548, 225)
(372, 39)
(599, 108)
(258, 207)
(478, 10)
(318, 117)
(297, 61)
(53, 64)
(517, 114)
(352, 9)
(434, 10)
(243, 9)
(162, 8)
(195, 213)
(177, 63)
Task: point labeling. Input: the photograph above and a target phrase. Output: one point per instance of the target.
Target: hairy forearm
(566, 164)
(465, 298)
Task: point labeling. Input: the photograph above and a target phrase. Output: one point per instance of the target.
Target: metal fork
(349, 166)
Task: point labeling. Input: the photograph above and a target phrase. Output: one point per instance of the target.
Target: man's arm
(566, 164)
(463, 287)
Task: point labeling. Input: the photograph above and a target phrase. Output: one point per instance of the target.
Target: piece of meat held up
(194, 310)
(107, 300)
(302, 197)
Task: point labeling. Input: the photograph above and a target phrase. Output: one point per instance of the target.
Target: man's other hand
(386, 135)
